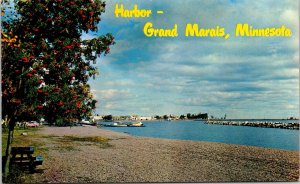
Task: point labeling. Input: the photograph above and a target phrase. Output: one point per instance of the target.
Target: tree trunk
(8, 149)
(11, 126)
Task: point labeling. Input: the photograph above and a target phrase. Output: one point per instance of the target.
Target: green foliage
(59, 121)
(108, 117)
(46, 74)
(197, 116)
(157, 117)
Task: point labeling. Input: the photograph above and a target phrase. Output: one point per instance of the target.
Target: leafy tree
(157, 117)
(182, 117)
(45, 63)
(108, 117)
(201, 116)
(165, 117)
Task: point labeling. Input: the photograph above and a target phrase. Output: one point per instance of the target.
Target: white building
(144, 118)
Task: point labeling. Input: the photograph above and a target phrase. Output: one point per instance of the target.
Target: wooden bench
(24, 159)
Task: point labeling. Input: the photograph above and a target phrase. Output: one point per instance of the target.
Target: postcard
(197, 91)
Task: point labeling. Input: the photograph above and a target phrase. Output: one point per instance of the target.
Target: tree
(108, 117)
(157, 117)
(182, 117)
(45, 64)
(202, 116)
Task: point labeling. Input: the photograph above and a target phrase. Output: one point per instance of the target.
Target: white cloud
(112, 94)
(242, 76)
(290, 17)
(290, 106)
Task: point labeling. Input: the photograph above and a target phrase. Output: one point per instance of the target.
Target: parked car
(32, 124)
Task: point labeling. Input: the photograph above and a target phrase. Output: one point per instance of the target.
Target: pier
(263, 124)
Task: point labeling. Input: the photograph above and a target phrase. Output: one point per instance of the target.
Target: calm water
(198, 131)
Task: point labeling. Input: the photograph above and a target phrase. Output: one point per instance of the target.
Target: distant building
(134, 117)
(142, 118)
(145, 118)
(98, 118)
(116, 118)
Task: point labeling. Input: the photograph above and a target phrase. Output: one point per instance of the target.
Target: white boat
(138, 124)
(115, 124)
(85, 121)
(120, 124)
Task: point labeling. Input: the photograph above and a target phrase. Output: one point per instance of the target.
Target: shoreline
(115, 134)
(260, 135)
(143, 159)
(196, 141)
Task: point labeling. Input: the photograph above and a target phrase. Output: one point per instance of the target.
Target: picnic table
(24, 159)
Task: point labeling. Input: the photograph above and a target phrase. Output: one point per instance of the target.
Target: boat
(120, 124)
(86, 122)
(138, 124)
(115, 124)
(83, 121)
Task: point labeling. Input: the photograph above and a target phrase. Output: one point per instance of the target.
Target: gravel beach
(139, 159)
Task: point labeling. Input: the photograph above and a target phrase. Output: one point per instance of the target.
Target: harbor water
(199, 131)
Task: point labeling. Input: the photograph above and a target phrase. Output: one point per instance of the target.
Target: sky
(242, 77)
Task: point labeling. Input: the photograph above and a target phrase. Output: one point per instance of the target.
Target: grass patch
(31, 138)
(43, 143)
(50, 136)
(68, 143)
(64, 145)
(100, 141)
(22, 140)
(15, 176)
(4, 143)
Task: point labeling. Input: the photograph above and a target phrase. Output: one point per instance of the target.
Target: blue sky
(241, 77)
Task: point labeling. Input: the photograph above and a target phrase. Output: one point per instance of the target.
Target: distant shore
(261, 123)
(139, 159)
(150, 120)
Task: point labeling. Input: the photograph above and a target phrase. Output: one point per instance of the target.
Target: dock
(263, 124)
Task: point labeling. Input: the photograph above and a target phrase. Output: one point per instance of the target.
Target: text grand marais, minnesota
(194, 30)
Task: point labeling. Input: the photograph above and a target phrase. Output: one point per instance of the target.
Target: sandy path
(138, 159)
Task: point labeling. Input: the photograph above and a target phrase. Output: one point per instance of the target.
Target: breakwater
(283, 125)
